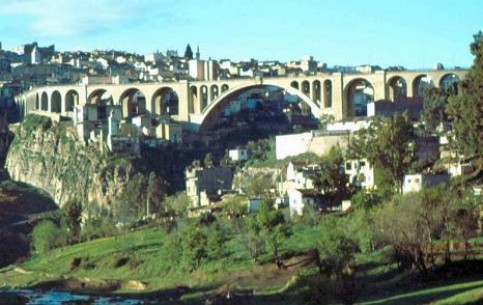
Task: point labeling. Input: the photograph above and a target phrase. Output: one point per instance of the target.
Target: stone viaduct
(195, 103)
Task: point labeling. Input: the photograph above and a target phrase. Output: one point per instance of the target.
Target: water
(60, 298)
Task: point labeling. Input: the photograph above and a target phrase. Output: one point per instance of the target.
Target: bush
(47, 236)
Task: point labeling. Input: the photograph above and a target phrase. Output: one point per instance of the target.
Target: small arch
(37, 101)
(165, 102)
(359, 93)
(224, 88)
(294, 84)
(449, 82)
(420, 84)
(397, 88)
(213, 92)
(44, 102)
(316, 92)
(327, 93)
(133, 102)
(193, 99)
(203, 97)
(71, 100)
(56, 102)
(306, 88)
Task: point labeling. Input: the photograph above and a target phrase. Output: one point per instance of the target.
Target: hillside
(135, 264)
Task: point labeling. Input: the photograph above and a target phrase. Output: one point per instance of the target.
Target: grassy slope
(141, 251)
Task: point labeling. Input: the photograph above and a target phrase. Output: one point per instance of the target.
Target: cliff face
(50, 156)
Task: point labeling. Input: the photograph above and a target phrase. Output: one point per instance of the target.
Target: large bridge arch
(216, 106)
(165, 101)
(357, 94)
(449, 81)
(133, 102)
(420, 83)
(100, 97)
(398, 88)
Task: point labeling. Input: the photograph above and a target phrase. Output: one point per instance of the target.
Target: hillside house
(204, 186)
(416, 182)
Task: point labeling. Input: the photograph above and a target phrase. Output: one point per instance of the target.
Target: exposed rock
(50, 156)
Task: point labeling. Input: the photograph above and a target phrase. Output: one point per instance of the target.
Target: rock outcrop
(50, 156)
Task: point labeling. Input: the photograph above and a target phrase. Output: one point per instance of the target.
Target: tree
(194, 247)
(387, 144)
(188, 53)
(72, 215)
(466, 109)
(47, 236)
(330, 179)
(435, 102)
(273, 227)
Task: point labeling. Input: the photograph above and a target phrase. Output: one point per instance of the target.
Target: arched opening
(193, 99)
(71, 99)
(133, 102)
(294, 84)
(359, 93)
(306, 88)
(327, 93)
(56, 102)
(397, 88)
(449, 83)
(37, 102)
(203, 97)
(316, 92)
(165, 102)
(420, 84)
(44, 102)
(224, 88)
(264, 108)
(213, 92)
(101, 98)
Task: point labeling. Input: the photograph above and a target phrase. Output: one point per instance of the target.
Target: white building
(317, 142)
(360, 172)
(416, 182)
(239, 154)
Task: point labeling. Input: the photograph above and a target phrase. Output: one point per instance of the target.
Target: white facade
(238, 154)
(351, 126)
(416, 182)
(297, 202)
(360, 172)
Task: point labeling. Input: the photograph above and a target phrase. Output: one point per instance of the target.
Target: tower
(198, 53)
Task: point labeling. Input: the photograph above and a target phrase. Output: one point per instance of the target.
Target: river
(32, 297)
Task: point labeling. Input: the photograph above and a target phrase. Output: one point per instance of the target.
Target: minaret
(198, 53)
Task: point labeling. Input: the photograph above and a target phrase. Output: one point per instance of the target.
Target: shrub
(47, 236)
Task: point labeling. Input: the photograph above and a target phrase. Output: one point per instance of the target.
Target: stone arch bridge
(196, 103)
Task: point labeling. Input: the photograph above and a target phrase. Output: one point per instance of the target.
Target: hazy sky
(412, 33)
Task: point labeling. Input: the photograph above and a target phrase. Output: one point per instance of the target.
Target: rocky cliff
(50, 156)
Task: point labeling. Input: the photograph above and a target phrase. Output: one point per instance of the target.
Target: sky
(415, 34)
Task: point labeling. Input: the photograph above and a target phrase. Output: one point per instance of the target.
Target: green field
(134, 263)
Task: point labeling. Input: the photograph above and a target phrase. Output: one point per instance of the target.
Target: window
(362, 164)
(416, 180)
(348, 166)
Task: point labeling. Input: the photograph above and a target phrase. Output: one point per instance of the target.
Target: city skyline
(409, 33)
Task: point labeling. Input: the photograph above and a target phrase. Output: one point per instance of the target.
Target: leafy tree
(387, 144)
(215, 242)
(434, 113)
(331, 180)
(133, 199)
(173, 250)
(47, 236)
(188, 53)
(178, 204)
(194, 242)
(72, 216)
(253, 239)
(466, 109)
(273, 227)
